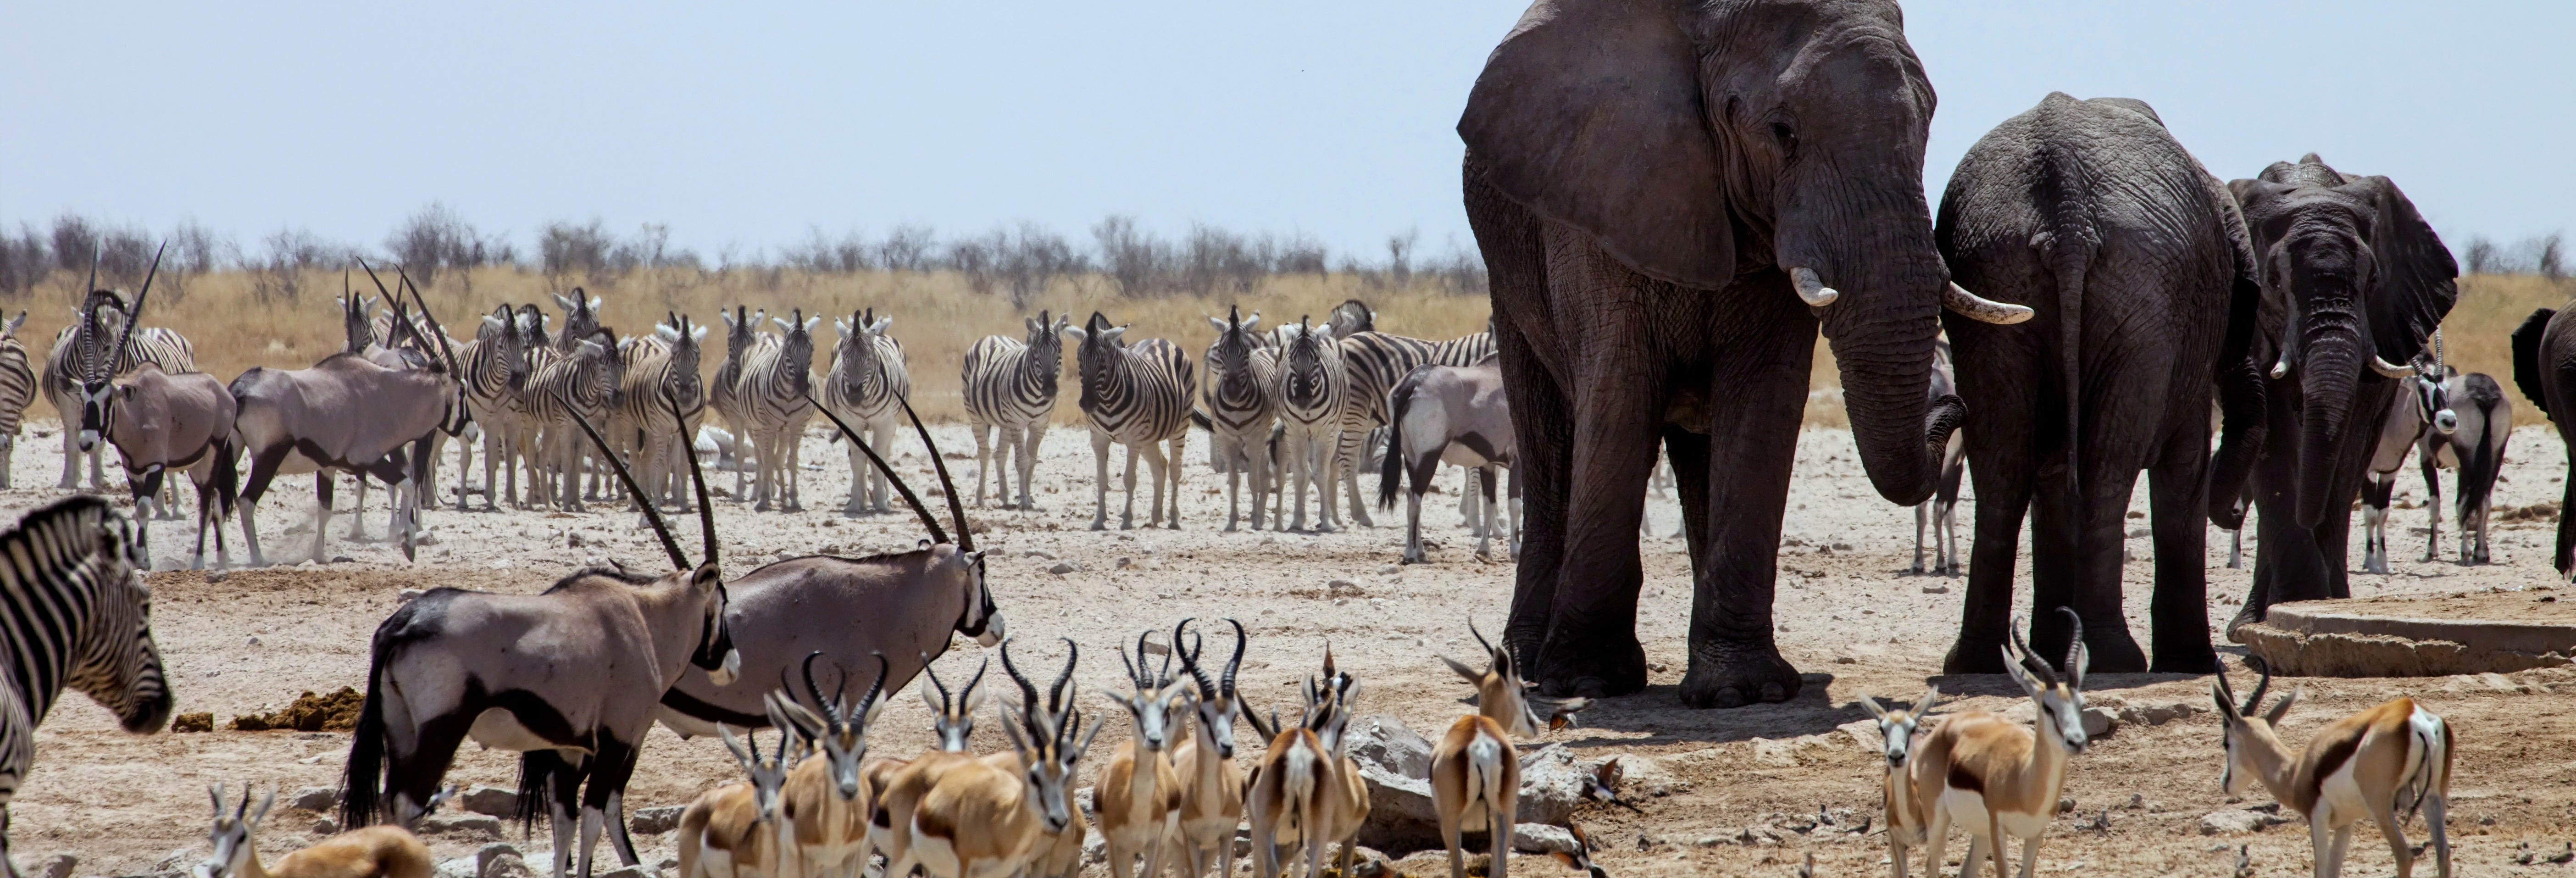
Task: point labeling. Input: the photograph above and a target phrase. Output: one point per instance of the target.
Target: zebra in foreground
(1137, 395)
(17, 388)
(82, 345)
(774, 395)
(867, 380)
(74, 611)
(1312, 387)
(1010, 387)
(1241, 410)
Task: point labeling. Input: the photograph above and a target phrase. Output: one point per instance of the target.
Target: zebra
(74, 611)
(581, 318)
(1139, 396)
(1241, 409)
(1311, 385)
(17, 388)
(1375, 361)
(1010, 387)
(81, 344)
(494, 364)
(868, 376)
(562, 388)
(662, 364)
(742, 339)
(772, 391)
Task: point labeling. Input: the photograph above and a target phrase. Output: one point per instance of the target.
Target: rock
(326, 826)
(2236, 821)
(1061, 568)
(1540, 838)
(1788, 752)
(494, 801)
(482, 826)
(484, 856)
(318, 800)
(461, 867)
(655, 821)
(55, 866)
(1863, 732)
(1384, 741)
(1039, 553)
(1552, 784)
(2159, 714)
(408, 595)
(511, 865)
(1936, 589)
(1095, 848)
(1435, 861)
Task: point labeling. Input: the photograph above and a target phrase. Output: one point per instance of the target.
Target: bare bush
(2481, 256)
(849, 254)
(2548, 261)
(75, 243)
(908, 247)
(565, 248)
(436, 240)
(1137, 263)
(278, 275)
(24, 260)
(124, 256)
(195, 251)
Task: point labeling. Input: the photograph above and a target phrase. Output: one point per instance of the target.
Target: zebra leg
(1100, 481)
(983, 434)
(71, 455)
(1233, 487)
(860, 472)
(1347, 456)
(1256, 459)
(794, 440)
(1172, 466)
(1028, 461)
(1127, 516)
(8, 449)
(1328, 455)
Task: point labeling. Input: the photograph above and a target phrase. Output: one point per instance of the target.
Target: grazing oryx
(1996, 778)
(1211, 790)
(868, 376)
(1139, 396)
(1138, 793)
(1475, 769)
(1940, 513)
(2380, 764)
(1897, 730)
(1241, 408)
(735, 831)
(1311, 388)
(1010, 387)
(2475, 449)
(743, 342)
(161, 422)
(17, 388)
(903, 605)
(827, 798)
(74, 611)
(775, 393)
(82, 345)
(344, 413)
(384, 851)
(454, 664)
(1460, 416)
(662, 363)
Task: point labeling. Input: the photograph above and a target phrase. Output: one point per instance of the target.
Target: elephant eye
(1788, 137)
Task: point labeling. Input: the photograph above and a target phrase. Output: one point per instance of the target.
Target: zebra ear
(697, 333)
(1220, 325)
(1034, 324)
(595, 302)
(1113, 335)
(841, 326)
(783, 325)
(565, 303)
(1252, 323)
(883, 324)
(1078, 334)
(666, 333)
(811, 322)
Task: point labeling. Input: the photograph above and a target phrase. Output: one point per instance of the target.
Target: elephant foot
(1974, 655)
(2113, 651)
(2198, 658)
(1726, 674)
(1592, 665)
(2247, 616)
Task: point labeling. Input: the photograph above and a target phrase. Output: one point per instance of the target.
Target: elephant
(2137, 262)
(2544, 369)
(2354, 283)
(1661, 190)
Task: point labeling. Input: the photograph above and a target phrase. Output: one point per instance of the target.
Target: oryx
(159, 422)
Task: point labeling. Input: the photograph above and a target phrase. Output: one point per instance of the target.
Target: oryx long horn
(956, 506)
(1226, 683)
(444, 352)
(698, 480)
(2075, 645)
(937, 534)
(652, 515)
(135, 317)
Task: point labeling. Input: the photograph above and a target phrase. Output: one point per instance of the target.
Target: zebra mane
(15, 542)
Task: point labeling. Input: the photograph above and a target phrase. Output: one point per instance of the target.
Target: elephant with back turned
(2137, 262)
(2354, 282)
(1667, 195)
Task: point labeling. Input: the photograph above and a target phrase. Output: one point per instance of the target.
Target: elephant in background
(1662, 190)
(2137, 262)
(2354, 282)
(2544, 369)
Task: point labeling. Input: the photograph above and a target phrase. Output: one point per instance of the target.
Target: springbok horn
(956, 506)
(1227, 681)
(135, 317)
(2227, 693)
(944, 700)
(698, 480)
(814, 688)
(1480, 637)
(2387, 369)
(2255, 702)
(444, 352)
(1055, 691)
(937, 535)
(978, 680)
(1982, 309)
(2075, 645)
(1028, 690)
(652, 515)
(2029, 662)
(1190, 661)
(1134, 678)
(1811, 288)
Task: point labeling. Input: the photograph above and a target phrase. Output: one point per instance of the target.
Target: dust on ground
(1740, 788)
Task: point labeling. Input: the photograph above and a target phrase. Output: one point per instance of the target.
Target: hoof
(1724, 677)
(1577, 666)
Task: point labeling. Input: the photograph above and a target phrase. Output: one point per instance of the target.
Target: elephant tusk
(2387, 369)
(1981, 309)
(2282, 368)
(1812, 288)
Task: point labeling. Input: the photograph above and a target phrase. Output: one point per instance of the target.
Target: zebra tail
(362, 781)
(1390, 474)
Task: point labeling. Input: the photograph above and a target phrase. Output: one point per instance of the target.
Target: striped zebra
(1010, 386)
(867, 382)
(1312, 387)
(80, 345)
(1137, 395)
(1241, 409)
(661, 373)
(774, 392)
(559, 387)
(17, 389)
(74, 611)
(581, 318)
(494, 364)
(1375, 362)
(742, 338)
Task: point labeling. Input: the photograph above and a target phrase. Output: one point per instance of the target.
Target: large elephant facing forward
(2354, 281)
(2137, 263)
(1668, 194)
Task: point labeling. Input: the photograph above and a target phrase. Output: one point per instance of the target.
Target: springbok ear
(1870, 704)
(2226, 708)
(265, 802)
(1923, 707)
(2012, 665)
(740, 756)
(787, 714)
(2273, 716)
(1472, 675)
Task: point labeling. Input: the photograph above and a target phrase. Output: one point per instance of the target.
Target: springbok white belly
(1968, 812)
(2339, 798)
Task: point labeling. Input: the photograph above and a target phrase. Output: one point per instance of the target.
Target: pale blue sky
(747, 123)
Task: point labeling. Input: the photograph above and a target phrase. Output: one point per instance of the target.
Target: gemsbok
(1897, 730)
(1996, 778)
(161, 422)
(1459, 415)
(2382, 763)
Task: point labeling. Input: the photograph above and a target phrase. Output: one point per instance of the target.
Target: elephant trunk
(1881, 315)
(1898, 428)
(2329, 367)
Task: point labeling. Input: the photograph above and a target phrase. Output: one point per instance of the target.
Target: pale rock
(1788, 752)
(494, 801)
(2159, 714)
(1863, 732)
(460, 867)
(514, 866)
(2230, 822)
(655, 821)
(478, 825)
(1384, 741)
(1541, 838)
(1061, 568)
(626, 872)
(315, 799)
(55, 866)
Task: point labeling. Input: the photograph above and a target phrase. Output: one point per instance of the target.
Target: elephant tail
(2064, 193)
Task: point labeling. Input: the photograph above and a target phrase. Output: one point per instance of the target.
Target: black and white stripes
(80, 345)
(1242, 406)
(776, 377)
(1137, 395)
(866, 388)
(17, 389)
(1010, 386)
(1313, 389)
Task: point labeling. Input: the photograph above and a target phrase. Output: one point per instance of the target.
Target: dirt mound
(336, 712)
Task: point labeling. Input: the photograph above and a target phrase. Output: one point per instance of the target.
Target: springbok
(898, 791)
(454, 664)
(827, 797)
(1475, 769)
(984, 820)
(1304, 792)
(384, 851)
(160, 422)
(2379, 763)
(1138, 793)
(1459, 416)
(1212, 791)
(1897, 730)
(1997, 778)
(735, 830)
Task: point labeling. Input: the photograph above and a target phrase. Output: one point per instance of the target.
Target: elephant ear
(2526, 358)
(2417, 278)
(1590, 113)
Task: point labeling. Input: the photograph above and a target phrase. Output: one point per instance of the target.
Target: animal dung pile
(193, 722)
(336, 712)
(2491, 632)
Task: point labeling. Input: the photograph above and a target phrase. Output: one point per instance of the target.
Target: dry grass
(2478, 335)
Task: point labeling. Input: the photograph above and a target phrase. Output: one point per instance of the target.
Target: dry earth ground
(1734, 785)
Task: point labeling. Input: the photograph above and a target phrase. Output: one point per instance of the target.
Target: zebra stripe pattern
(1241, 410)
(73, 353)
(495, 367)
(17, 389)
(776, 377)
(865, 387)
(1010, 386)
(1139, 396)
(1313, 389)
(74, 612)
(586, 379)
(661, 369)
